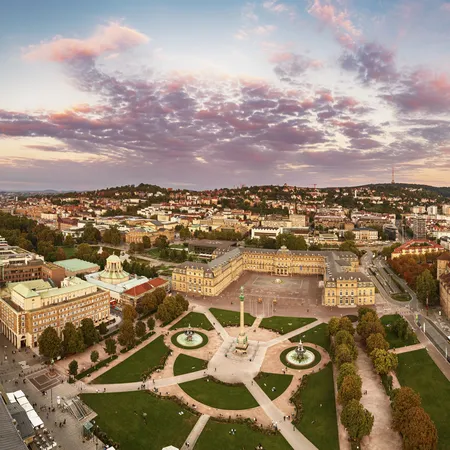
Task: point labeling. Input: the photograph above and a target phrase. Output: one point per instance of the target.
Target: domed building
(113, 273)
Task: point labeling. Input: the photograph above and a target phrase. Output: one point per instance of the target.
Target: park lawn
(195, 320)
(117, 418)
(319, 390)
(418, 371)
(391, 337)
(317, 335)
(187, 364)
(219, 395)
(217, 435)
(231, 318)
(69, 251)
(132, 368)
(283, 324)
(267, 381)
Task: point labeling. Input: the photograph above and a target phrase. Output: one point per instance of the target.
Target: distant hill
(389, 187)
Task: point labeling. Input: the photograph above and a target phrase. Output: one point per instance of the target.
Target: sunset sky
(207, 93)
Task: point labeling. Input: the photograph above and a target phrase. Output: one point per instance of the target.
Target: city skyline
(211, 94)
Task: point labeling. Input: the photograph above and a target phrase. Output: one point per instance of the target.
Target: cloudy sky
(211, 93)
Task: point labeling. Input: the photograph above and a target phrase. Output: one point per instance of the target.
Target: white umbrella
(170, 447)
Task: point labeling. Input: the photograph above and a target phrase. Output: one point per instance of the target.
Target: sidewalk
(378, 403)
(295, 439)
(293, 333)
(196, 432)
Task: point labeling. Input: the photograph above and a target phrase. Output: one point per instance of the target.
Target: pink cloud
(445, 7)
(338, 22)
(111, 38)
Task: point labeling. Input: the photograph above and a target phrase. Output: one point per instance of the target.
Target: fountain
(300, 356)
(189, 338)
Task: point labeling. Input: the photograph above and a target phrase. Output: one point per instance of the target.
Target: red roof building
(416, 247)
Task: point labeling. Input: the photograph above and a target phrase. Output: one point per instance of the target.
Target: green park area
(394, 340)
(273, 384)
(132, 368)
(318, 420)
(317, 335)
(69, 251)
(187, 364)
(283, 324)
(418, 371)
(220, 395)
(195, 320)
(231, 318)
(121, 417)
(218, 435)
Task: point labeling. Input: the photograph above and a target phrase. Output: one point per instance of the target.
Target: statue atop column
(242, 340)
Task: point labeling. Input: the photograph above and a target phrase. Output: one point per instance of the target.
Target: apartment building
(136, 235)
(343, 285)
(17, 264)
(365, 234)
(419, 227)
(31, 306)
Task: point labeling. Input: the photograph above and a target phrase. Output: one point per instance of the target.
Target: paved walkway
(216, 324)
(408, 348)
(196, 432)
(293, 333)
(377, 402)
(295, 439)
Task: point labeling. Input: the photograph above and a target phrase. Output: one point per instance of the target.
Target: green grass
(117, 418)
(187, 364)
(69, 251)
(391, 337)
(217, 435)
(267, 381)
(317, 335)
(403, 297)
(319, 390)
(219, 395)
(195, 320)
(231, 318)
(283, 324)
(134, 366)
(418, 371)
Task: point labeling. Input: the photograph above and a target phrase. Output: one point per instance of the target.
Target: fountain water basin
(300, 356)
(189, 341)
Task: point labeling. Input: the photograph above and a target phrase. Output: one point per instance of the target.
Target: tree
(150, 323)
(350, 389)
(161, 242)
(146, 241)
(91, 235)
(376, 340)
(362, 310)
(84, 251)
(344, 337)
(60, 254)
(90, 333)
(346, 324)
(427, 288)
(129, 313)
(140, 329)
(72, 340)
(148, 303)
(110, 346)
(403, 399)
(171, 308)
(333, 326)
(345, 370)
(160, 294)
(357, 420)
(73, 368)
(342, 355)
(349, 236)
(68, 241)
(127, 335)
(384, 361)
(49, 343)
(102, 328)
(94, 356)
(419, 431)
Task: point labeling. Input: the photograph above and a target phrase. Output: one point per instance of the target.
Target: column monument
(242, 340)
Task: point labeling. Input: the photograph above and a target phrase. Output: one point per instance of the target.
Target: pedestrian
(64, 422)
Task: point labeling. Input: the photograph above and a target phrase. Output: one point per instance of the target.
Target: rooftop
(76, 265)
(9, 437)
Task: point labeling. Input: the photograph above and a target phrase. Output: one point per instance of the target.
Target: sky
(203, 94)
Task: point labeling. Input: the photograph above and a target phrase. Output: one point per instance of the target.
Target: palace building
(343, 284)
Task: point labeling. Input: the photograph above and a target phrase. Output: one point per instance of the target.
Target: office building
(419, 227)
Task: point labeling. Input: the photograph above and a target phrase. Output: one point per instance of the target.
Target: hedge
(96, 367)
